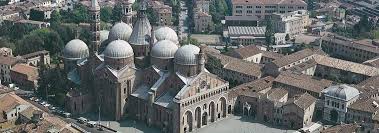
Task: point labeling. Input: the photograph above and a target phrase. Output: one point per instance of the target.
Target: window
(258, 11)
(238, 6)
(249, 11)
(249, 7)
(238, 11)
(258, 7)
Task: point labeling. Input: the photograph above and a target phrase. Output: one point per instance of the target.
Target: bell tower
(94, 27)
(127, 12)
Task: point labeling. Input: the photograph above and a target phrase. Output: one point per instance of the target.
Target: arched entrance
(198, 117)
(204, 118)
(212, 111)
(223, 106)
(246, 111)
(333, 115)
(188, 117)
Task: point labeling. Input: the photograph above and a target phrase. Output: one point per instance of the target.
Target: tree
(41, 39)
(37, 15)
(56, 18)
(152, 16)
(106, 14)
(4, 42)
(269, 34)
(287, 37)
(117, 13)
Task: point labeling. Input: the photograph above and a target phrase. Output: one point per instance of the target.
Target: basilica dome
(187, 55)
(121, 31)
(342, 91)
(75, 49)
(118, 49)
(166, 33)
(164, 49)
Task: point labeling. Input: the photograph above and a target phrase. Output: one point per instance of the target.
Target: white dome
(166, 33)
(187, 55)
(121, 31)
(342, 91)
(75, 49)
(164, 49)
(118, 49)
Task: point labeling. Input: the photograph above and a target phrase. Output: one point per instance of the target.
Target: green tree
(106, 14)
(37, 15)
(152, 16)
(41, 39)
(4, 42)
(55, 18)
(287, 37)
(117, 13)
(269, 34)
(78, 15)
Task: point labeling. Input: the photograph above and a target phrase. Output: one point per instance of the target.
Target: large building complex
(178, 96)
(264, 9)
(291, 23)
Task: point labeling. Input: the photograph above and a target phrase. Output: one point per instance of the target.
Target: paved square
(232, 124)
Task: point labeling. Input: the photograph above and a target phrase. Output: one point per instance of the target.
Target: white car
(52, 108)
(46, 105)
(37, 100)
(43, 103)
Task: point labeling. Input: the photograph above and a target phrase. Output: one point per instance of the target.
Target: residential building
(4, 51)
(298, 111)
(163, 12)
(290, 61)
(6, 64)
(35, 58)
(297, 84)
(25, 76)
(253, 54)
(350, 49)
(264, 9)
(249, 35)
(11, 105)
(202, 5)
(203, 21)
(31, 23)
(234, 70)
(43, 11)
(292, 23)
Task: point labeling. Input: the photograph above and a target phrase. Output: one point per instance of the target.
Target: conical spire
(95, 5)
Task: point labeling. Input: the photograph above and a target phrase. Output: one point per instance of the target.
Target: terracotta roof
(272, 55)
(253, 87)
(7, 102)
(366, 105)
(238, 65)
(304, 66)
(30, 71)
(244, 52)
(35, 54)
(8, 60)
(277, 94)
(343, 128)
(28, 113)
(288, 59)
(303, 81)
(302, 101)
(346, 65)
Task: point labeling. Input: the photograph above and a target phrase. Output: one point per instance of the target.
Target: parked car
(91, 124)
(46, 105)
(42, 102)
(52, 108)
(82, 120)
(37, 100)
(66, 115)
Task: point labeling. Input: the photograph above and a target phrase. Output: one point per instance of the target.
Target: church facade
(144, 74)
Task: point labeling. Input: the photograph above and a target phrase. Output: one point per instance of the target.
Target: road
(68, 120)
(183, 21)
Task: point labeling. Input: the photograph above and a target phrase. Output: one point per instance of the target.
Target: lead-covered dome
(187, 55)
(121, 31)
(164, 49)
(166, 33)
(75, 49)
(342, 91)
(118, 49)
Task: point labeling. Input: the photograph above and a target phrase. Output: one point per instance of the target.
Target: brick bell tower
(127, 12)
(94, 27)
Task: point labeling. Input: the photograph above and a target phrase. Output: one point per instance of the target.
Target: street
(183, 21)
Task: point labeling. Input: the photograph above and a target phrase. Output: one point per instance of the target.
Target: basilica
(141, 72)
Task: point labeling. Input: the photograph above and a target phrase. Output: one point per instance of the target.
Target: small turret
(201, 59)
